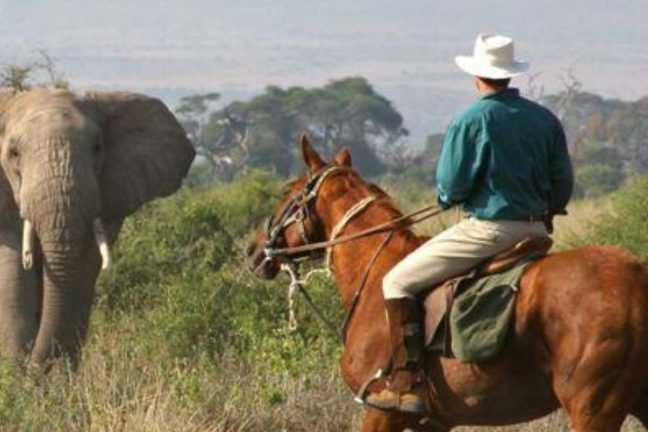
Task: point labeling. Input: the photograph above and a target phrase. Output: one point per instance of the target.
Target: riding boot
(405, 388)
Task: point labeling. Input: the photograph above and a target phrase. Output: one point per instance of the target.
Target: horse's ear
(342, 157)
(313, 160)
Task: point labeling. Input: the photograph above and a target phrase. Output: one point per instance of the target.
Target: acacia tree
(261, 132)
(350, 112)
(41, 72)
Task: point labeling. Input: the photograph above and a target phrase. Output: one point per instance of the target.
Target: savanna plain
(185, 338)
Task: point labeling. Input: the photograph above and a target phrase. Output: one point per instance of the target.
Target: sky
(405, 48)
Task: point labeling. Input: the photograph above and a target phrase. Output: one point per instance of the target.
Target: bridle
(299, 210)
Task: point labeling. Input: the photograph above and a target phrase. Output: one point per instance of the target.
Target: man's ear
(342, 157)
(311, 158)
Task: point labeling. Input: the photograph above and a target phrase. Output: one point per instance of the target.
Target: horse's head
(296, 220)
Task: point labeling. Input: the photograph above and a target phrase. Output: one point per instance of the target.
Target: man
(505, 161)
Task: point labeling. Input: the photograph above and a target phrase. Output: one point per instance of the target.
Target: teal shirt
(505, 158)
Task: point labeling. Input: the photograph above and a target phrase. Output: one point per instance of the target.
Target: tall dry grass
(183, 339)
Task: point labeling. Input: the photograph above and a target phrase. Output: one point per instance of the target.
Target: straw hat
(493, 57)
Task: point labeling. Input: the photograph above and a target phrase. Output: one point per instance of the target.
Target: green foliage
(604, 132)
(626, 224)
(41, 72)
(170, 238)
(597, 179)
(196, 105)
(262, 132)
(180, 267)
(185, 338)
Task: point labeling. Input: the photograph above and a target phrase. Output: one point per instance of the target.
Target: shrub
(193, 233)
(626, 225)
(180, 270)
(598, 179)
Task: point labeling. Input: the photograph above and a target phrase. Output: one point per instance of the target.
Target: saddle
(439, 300)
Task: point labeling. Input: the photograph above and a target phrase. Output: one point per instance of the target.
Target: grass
(117, 390)
(183, 338)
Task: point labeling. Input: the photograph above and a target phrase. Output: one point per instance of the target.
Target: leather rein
(299, 210)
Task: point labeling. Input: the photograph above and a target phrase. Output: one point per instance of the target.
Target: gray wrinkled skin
(66, 160)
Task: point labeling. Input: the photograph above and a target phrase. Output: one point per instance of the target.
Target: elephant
(72, 168)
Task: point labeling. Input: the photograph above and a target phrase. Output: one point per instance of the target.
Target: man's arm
(460, 162)
(562, 175)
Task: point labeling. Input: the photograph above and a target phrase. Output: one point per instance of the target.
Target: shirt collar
(507, 92)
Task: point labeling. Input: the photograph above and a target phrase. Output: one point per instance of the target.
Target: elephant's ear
(8, 207)
(147, 153)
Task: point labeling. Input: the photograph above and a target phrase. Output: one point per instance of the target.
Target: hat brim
(511, 70)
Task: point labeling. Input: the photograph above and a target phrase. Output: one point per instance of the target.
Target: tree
(191, 112)
(350, 112)
(262, 131)
(597, 179)
(41, 72)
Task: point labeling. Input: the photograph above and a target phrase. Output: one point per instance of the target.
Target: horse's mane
(387, 203)
(384, 200)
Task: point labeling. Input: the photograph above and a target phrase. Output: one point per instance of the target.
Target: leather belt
(531, 218)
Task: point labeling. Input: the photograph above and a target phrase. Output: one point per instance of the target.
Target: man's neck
(484, 88)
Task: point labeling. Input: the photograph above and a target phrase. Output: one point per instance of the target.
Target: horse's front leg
(380, 421)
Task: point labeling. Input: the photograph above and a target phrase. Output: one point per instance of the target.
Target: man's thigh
(456, 250)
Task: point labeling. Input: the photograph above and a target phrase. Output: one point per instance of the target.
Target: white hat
(493, 58)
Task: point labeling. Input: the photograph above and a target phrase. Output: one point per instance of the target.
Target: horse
(578, 340)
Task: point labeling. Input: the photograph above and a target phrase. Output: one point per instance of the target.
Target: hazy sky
(405, 47)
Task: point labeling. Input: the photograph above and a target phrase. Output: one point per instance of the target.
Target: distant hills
(177, 47)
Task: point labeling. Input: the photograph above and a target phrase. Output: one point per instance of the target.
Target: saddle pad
(482, 312)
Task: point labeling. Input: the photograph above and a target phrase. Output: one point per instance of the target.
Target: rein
(405, 221)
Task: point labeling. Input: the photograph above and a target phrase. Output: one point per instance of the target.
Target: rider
(505, 161)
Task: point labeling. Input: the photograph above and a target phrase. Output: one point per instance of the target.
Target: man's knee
(393, 286)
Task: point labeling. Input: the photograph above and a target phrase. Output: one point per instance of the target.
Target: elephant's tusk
(102, 243)
(28, 245)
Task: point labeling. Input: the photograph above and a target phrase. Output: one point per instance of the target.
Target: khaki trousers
(453, 252)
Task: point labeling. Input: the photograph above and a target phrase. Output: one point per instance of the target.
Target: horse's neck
(367, 340)
(350, 261)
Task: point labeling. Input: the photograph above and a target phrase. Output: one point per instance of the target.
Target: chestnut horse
(579, 338)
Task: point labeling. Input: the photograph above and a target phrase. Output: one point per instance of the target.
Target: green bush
(626, 225)
(598, 179)
(179, 268)
(193, 233)
(185, 337)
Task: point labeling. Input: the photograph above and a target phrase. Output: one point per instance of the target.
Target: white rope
(357, 208)
(295, 282)
(292, 289)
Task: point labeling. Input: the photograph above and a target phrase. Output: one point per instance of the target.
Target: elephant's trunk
(69, 273)
(58, 332)
(62, 204)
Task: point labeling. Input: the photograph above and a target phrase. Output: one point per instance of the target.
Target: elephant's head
(72, 168)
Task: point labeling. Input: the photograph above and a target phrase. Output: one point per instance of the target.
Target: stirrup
(361, 396)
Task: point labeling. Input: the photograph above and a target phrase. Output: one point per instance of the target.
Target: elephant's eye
(96, 149)
(13, 153)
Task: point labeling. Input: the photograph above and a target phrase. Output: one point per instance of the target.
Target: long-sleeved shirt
(505, 158)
